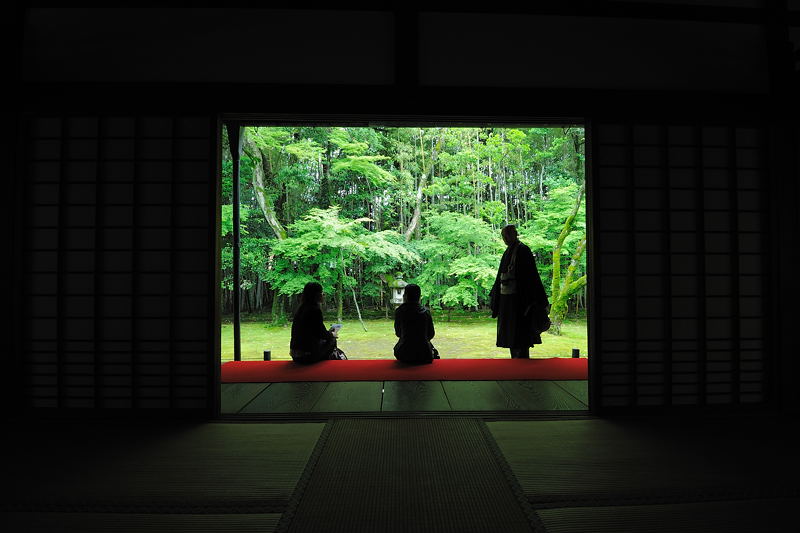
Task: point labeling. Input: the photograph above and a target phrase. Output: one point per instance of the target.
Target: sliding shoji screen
(680, 266)
(118, 262)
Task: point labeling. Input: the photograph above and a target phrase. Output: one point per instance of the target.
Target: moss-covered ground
(463, 336)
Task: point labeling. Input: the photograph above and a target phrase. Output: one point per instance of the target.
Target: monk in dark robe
(518, 299)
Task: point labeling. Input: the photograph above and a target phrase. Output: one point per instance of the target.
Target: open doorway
(363, 210)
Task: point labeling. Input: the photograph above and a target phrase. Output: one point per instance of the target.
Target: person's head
(412, 294)
(509, 234)
(312, 293)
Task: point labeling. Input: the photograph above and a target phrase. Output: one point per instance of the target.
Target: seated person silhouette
(414, 325)
(311, 340)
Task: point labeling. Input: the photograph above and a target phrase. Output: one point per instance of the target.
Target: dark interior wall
(208, 45)
(789, 290)
(790, 385)
(499, 50)
(681, 299)
(160, 64)
(356, 48)
(117, 264)
(786, 254)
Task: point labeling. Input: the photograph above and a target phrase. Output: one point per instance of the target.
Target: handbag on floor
(337, 354)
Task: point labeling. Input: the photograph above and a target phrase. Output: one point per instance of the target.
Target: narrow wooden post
(235, 137)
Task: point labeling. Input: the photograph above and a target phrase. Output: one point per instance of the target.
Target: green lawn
(463, 337)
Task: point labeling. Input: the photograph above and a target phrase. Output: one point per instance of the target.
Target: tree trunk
(558, 311)
(325, 182)
(378, 214)
(259, 294)
(561, 290)
(357, 309)
(278, 313)
(417, 208)
(384, 302)
(259, 187)
(541, 182)
(339, 291)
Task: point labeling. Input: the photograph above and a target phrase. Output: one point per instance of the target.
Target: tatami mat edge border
(687, 497)
(533, 518)
(484, 415)
(267, 507)
(305, 477)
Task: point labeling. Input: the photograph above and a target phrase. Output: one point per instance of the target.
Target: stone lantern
(398, 287)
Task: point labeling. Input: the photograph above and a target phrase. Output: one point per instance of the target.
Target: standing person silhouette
(311, 340)
(517, 298)
(414, 325)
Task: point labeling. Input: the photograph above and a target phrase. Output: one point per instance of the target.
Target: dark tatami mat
(204, 468)
(136, 523)
(605, 462)
(752, 516)
(406, 475)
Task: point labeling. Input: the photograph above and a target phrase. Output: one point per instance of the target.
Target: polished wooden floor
(403, 396)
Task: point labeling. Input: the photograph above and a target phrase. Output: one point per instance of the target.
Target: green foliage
(540, 233)
(460, 255)
(476, 181)
(364, 165)
(343, 140)
(474, 277)
(327, 248)
(226, 225)
(304, 150)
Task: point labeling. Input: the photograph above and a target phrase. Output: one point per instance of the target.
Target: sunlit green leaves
(226, 224)
(475, 181)
(364, 165)
(325, 247)
(460, 254)
(304, 150)
(342, 138)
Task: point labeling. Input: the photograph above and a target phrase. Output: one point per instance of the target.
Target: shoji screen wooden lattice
(679, 266)
(118, 261)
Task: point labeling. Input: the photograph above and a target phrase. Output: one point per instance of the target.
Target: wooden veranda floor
(403, 396)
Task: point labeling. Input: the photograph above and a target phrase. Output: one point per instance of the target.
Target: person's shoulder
(525, 249)
(306, 310)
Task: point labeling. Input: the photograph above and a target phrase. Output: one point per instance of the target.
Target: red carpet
(391, 370)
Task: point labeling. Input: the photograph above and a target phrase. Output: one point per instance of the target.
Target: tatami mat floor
(622, 475)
